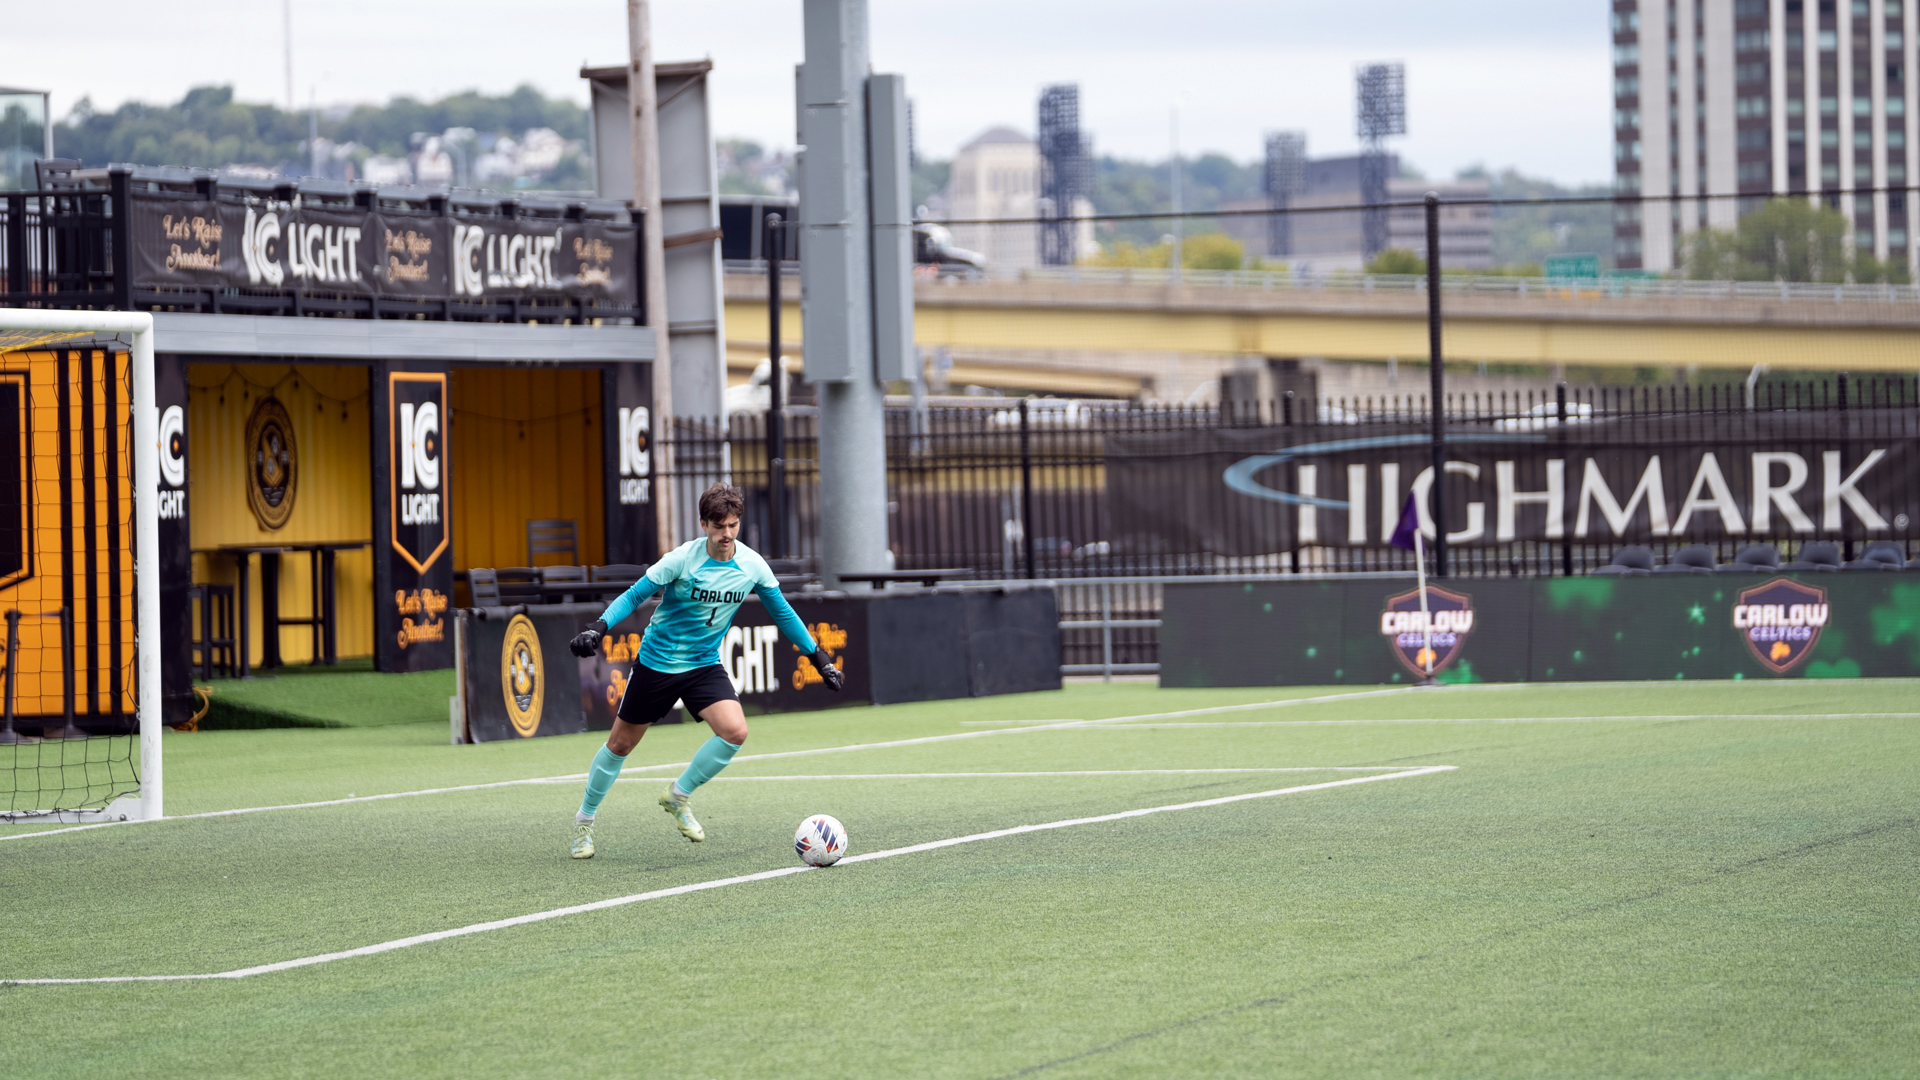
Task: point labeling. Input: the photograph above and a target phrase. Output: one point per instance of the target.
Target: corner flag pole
(1426, 621)
(1407, 536)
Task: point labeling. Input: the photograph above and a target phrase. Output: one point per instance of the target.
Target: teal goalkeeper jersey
(698, 597)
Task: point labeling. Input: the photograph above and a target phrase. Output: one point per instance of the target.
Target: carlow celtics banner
(206, 243)
(1819, 625)
(1252, 491)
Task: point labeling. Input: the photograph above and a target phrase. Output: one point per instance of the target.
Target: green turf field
(1695, 879)
(349, 694)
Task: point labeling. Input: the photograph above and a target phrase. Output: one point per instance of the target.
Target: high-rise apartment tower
(1758, 98)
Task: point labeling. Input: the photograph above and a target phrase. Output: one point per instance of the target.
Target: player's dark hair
(719, 501)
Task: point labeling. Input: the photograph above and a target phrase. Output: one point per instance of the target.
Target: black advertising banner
(626, 399)
(1710, 626)
(212, 244)
(176, 540)
(497, 257)
(179, 242)
(412, 519)
(1252, 491)
(519, 679)
(766, 669)
(411, 256)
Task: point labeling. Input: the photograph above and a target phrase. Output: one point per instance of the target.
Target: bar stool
(215, 642)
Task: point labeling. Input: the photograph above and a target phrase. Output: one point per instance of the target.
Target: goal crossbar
(22, 329)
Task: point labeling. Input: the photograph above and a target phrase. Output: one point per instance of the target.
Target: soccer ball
(820, 840)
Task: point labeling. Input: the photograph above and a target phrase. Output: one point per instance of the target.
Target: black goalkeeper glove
(587, 642)
(828, 673)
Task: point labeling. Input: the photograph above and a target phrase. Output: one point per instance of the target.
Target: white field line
(1623, 718)
(1029, 775)
(1049, 726)
(742, 879)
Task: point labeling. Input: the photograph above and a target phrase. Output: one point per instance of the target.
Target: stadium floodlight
(1382, 92)
(24, 329)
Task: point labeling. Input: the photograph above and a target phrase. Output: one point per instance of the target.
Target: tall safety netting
(69, 738)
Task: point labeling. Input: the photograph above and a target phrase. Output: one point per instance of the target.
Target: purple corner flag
(1409, 524)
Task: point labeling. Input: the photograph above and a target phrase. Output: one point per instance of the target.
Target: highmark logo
(1449, 616)
(1781, 621)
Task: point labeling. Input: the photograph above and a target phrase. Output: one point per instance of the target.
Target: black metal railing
(58, 249)
(73, 246)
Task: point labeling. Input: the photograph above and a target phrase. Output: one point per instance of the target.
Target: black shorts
(650, 694)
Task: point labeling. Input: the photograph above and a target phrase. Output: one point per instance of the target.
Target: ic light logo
(1781, 622)
(417, 447)
(636, 463)
(173, 463)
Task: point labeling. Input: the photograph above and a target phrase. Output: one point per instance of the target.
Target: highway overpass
(1085, 328)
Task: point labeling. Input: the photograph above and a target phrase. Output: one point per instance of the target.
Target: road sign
(1573, 266)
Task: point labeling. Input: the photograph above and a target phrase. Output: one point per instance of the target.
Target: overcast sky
(1500, 82)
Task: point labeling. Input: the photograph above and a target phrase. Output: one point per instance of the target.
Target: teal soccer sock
(600, 778)
(706, 764)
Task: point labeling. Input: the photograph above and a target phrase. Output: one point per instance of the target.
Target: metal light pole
(1179, 223)
(644, 117)
(1437, 386)
(856, 272)
(776, 403)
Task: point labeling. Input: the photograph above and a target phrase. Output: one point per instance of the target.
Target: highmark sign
(1254, 491)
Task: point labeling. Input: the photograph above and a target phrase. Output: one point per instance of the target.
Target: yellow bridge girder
(1354, 325)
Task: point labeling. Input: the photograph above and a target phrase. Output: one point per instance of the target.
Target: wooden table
(324, 608)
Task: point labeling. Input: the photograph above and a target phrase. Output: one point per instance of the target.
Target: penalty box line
(573, 777)
(718, 883)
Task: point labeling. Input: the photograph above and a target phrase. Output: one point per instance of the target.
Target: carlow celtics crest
(1449, 617)
(1781, 622)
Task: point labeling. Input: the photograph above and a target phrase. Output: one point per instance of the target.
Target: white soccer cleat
(583, 840)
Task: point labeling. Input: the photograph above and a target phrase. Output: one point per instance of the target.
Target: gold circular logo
(521, 682)
(272, 463)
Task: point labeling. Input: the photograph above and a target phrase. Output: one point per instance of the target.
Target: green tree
(929, 176)
(1786, 240)
(1207, 251)
(1212, 251)
(1397, 261)
(1526, 233)
(209, 129)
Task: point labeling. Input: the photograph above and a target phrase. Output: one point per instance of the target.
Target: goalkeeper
(701, 584)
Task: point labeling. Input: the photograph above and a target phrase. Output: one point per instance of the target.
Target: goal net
(79, 662)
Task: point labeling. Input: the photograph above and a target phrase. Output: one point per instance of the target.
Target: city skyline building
(1323, 240)
(1747, 100)
(997, 175)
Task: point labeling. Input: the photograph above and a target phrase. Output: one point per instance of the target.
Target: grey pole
(836, 273)
(1437, 386)
(776, 403)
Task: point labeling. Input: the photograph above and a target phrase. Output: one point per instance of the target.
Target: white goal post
(22, 329)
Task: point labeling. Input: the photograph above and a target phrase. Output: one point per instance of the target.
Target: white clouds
(1520, 82)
